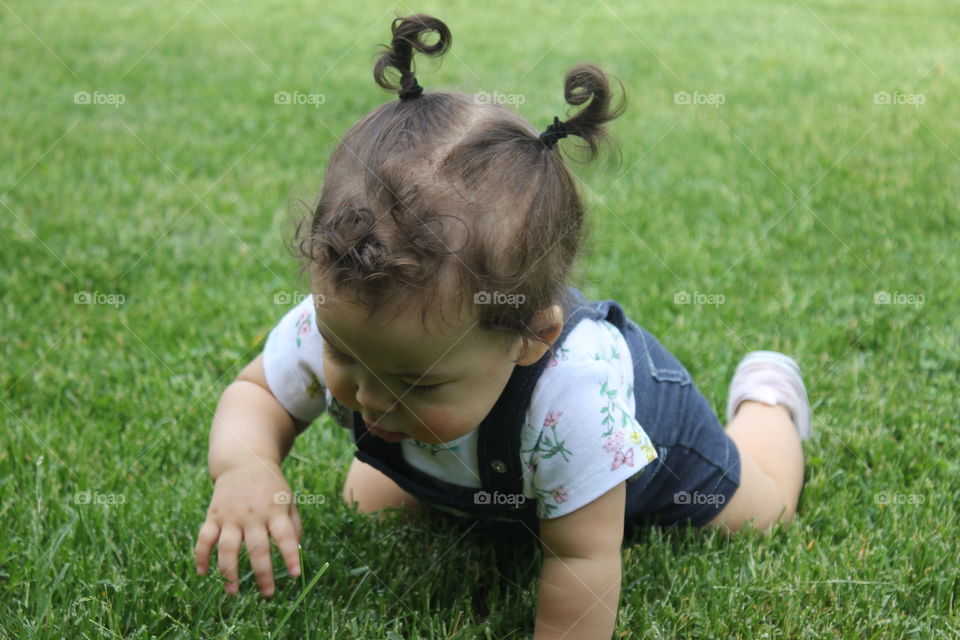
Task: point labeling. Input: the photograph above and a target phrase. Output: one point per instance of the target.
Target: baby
(441, 333)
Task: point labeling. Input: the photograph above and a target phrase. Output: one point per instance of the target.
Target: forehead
(403, 341)
(409, 322)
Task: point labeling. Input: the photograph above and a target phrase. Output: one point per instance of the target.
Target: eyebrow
(399, 374)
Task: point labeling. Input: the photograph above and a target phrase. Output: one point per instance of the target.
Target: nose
(373, 396)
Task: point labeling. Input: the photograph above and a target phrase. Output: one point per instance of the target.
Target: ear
(547, 323)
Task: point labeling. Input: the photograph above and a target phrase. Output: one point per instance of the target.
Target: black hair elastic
(414, 90)
(554, 132)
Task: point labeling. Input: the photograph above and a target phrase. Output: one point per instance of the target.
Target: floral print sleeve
(293, 363)
(582, 437)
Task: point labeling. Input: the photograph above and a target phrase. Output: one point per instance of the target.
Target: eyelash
(421, 389)
(345, 359)
(336, 355)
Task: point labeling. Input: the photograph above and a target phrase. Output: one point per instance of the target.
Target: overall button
(499, 466)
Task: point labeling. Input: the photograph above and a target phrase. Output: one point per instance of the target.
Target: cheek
(339, 385)
(442, 420)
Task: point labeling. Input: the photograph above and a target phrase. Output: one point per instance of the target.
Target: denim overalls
(696, 471)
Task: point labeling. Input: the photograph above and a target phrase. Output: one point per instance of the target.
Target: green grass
(798, 199)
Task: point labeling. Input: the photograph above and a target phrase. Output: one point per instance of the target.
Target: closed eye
(424, 388)
(412, 388)
(336, 355)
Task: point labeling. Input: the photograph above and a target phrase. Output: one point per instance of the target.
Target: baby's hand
(249, 502)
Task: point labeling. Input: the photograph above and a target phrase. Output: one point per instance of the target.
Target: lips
(389, 436)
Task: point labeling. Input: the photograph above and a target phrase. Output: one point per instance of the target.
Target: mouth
(389, 436)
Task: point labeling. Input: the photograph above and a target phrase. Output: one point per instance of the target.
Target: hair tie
(553, 133)
(414, 90)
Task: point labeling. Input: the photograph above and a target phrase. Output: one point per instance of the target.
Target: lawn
(790, 180)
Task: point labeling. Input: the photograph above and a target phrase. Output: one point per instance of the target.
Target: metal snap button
(499, 466)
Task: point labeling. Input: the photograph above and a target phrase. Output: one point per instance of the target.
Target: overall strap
(498, 443)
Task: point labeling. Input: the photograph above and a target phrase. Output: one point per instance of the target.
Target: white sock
(771, 378)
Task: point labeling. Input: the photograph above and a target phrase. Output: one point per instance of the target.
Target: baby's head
(441, 245)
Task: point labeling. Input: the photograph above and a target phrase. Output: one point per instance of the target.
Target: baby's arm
(580, 581)
(249, 424)
(251, 435)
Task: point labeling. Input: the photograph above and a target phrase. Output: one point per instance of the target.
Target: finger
(228, 556)
(258, 550)
(295, 520)
(281, 528)
(207, 537)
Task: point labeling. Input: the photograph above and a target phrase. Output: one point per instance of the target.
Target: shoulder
(293, 362)
(296, 332)
(594, 348)
(581, 435)
(590, 373)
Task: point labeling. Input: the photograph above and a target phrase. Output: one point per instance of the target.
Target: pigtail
(407, 34)
(584, 83)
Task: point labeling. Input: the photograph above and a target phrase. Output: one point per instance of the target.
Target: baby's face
(434, 387)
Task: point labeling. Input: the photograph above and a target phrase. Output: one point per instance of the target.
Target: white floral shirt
(579, 438)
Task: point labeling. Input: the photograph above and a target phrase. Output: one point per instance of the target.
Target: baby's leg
(771, 468)
(373, 491)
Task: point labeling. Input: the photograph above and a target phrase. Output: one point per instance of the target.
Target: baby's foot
(771, 378)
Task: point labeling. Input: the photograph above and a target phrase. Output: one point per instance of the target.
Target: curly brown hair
(438, 195)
